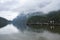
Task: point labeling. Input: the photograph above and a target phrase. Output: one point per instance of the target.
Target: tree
(3, 22)
(54, 15)
(35, 19)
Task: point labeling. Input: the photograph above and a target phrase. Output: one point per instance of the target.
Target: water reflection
(3, 22)
(30, 35)
(46, 35)
(53, 29)
(20, 23)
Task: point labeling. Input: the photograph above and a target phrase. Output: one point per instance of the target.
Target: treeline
(54, 15)
(3, 22)
(51, 16)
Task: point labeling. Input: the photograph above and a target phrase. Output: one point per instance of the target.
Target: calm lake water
(10, 32)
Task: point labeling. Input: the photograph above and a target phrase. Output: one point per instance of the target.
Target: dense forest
(51, 19)
(3, 22)
(51, 16)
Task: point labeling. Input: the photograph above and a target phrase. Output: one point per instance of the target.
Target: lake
(10, 32)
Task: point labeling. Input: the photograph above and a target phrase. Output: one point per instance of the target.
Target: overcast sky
(27, 5)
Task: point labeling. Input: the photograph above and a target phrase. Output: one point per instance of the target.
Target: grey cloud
(54, 6)
(33, 5)
(37, 5)
(9, 5)
(30, 5)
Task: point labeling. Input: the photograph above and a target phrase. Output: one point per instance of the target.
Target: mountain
(20, 22)
(4, 22)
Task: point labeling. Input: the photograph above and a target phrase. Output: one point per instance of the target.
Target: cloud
(9, 15)
(32, 5)
(54, 6)
(38, 5)
(22, 5)
(29, 5)
(8, 5)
